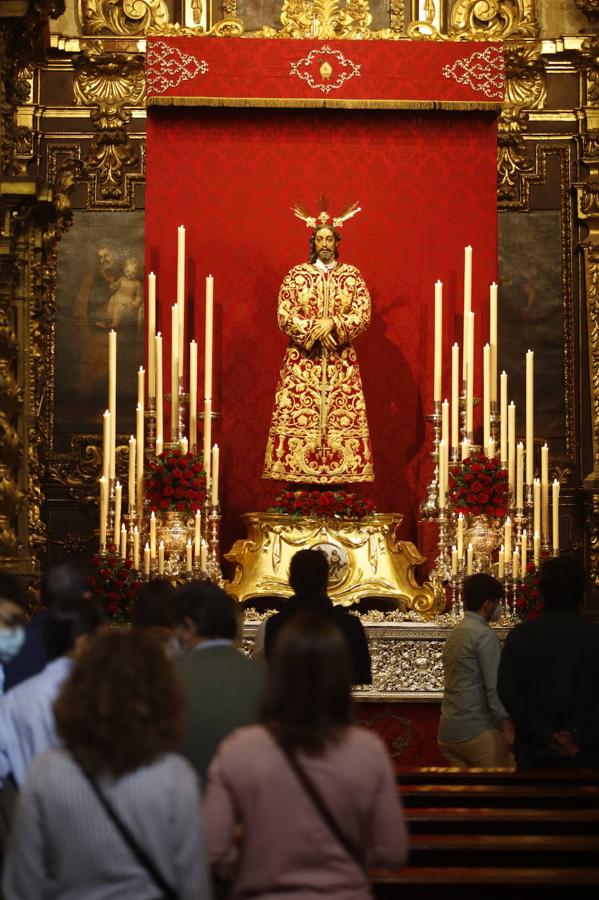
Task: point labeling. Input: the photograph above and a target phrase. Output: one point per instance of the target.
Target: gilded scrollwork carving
(525, 89)
(476, 20)
(588, 63)
(110, 83)
(332, 19)
(122, 17)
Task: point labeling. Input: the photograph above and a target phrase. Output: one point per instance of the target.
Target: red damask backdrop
(426, 184)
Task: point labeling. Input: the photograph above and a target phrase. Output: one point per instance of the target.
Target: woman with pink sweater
(304, 803)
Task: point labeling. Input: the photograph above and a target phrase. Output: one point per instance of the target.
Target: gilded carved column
(588, 216)
(30, 224)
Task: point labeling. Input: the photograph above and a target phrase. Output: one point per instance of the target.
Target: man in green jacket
(221, 685)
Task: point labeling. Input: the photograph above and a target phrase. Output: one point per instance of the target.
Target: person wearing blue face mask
(12, 622)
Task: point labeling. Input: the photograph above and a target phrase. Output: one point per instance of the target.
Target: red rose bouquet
(175, 481)
(529, 602)
(332, 504)
(479, 485)
(114, 583)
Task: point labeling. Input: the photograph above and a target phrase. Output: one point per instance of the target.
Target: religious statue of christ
(319, 431)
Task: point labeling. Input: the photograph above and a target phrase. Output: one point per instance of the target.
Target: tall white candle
(455, 395)
(136, 547)
(523, 552)
(197, 538)
(503, 423)
(112, 398)
(511, 447)
(139, 463)
(118, 500)
(555, 516)
(501, 563)
(103, 483)
(208, 336)
(470, 376)
(147, 560)
(188, 555)
(469, 559)
(516, 564)
(207, 436)
(141, 385)
(529, 416)
(161, 558)
(454, 561)
(520, 475)
(442, 473)
(438, 341)
(493, 339)
(151, 335)
(537, 549)
(486, 394)
(153, 535)
(445, 421)
(174, 373)
(193, 395)
(131, 486)
(184, 446)
(159, 398)
(507, 538)
(490, 449)
(214, 474)
(461, 535)
(545, 491)
(204, 556)
(465, 449)
(536, 500)
(106, 435)
(181, 295)
(467, 299)
(123, 541)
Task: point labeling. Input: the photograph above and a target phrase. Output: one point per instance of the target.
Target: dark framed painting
(100, 286)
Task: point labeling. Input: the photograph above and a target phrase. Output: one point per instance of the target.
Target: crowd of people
(162, 761)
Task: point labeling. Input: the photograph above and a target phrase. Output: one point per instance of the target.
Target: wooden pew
(535, 796)
(495, 820)
(492, 882)
(452, 775)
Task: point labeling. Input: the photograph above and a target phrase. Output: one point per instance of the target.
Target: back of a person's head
(478, 588)
(213, 612)
(309, 574)
(122, 706)
(66, 580)
(307, 696)
(66, 621)
(562, 582)
(153, 606)
(10, 589)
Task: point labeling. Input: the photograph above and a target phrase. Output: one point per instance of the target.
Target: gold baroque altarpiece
(106, 61)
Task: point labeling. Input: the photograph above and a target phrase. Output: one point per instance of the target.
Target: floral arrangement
(175, 481)
(332, 504)
(113, 584)
(479, 485)
(529, 602)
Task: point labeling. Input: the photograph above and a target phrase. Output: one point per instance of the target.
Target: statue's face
(325, 244)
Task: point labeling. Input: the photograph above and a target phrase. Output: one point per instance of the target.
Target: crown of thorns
(323, 217)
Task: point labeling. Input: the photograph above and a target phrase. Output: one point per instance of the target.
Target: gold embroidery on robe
(319, 431)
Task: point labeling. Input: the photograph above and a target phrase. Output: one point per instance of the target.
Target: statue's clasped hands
(323, 332)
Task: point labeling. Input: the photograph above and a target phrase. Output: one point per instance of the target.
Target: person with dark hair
(153, 610)
(12, 622)
(308, 577)
(119, 716)
(220, 684)
(475, 729)
(549, 675)
(62, 581)
(313, 797)
(26, 718)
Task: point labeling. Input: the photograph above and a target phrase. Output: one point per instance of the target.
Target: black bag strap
(135, 848)
(319, 804)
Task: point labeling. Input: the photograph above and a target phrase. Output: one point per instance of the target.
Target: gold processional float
(492, 512)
